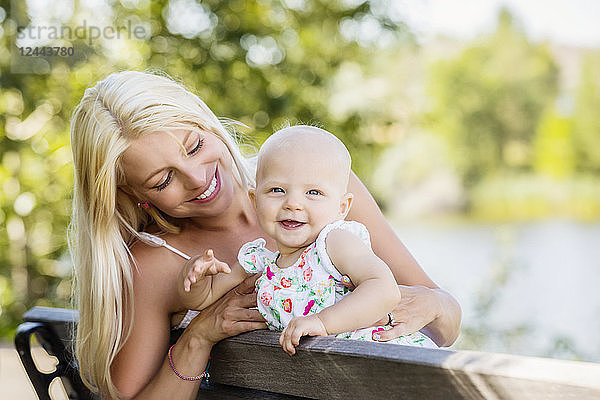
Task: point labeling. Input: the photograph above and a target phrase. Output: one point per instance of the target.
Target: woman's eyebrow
(181, 144)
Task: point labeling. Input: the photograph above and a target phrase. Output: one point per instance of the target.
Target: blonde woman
(150, 156)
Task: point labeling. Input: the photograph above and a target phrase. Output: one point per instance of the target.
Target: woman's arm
(141, 369)
(423, 303)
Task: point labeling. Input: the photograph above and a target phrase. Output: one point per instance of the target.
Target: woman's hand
(230, 315)
(417, 308)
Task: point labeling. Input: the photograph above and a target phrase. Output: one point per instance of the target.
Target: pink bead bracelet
(180, 375)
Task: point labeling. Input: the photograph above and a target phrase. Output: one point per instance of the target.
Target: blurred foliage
(265, 63)
(529, 196)
(586, 116)
(523, 145)
(489, 100)
(553, 146)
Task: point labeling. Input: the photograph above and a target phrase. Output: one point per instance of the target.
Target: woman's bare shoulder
(155, 273)
(148, 256)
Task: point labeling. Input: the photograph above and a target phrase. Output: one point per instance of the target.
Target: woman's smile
(211, 192)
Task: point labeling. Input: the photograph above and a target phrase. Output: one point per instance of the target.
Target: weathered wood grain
(253, 365)
(335, 368)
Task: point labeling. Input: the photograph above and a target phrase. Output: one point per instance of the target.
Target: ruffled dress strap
(253, 256)
(351, 226)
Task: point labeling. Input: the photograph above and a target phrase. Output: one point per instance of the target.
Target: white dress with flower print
(309, 286)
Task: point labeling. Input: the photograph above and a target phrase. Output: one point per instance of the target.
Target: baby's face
(297, 194)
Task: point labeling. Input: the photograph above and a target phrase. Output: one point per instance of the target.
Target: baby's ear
(252, 196)
(345, 204)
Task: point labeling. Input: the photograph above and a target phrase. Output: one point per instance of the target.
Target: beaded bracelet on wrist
(180, 375)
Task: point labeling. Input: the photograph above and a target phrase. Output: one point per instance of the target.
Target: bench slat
(334, 368)
(252, 365)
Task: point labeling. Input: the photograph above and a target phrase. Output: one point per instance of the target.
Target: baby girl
(301, 201)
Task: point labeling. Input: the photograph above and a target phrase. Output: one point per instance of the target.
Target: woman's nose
(195, 178)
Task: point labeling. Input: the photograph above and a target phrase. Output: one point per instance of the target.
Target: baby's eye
(313, 192)
(276, 190)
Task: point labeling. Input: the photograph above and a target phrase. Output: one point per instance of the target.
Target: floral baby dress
(309, 286)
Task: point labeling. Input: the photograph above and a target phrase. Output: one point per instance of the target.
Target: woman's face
(193, 179)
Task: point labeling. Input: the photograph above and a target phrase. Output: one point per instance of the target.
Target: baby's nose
(293, 203)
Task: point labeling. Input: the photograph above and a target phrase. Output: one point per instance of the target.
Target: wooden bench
(253, 365)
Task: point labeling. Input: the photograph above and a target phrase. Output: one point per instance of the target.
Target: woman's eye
(197, 147)
(313, 192)
(165, 183)
(276, 190)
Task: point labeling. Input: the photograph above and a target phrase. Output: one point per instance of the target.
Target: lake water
(525, 288)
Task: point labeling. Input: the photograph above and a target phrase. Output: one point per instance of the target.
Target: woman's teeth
(210, 190)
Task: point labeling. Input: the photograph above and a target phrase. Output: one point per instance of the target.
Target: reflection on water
(525, 288)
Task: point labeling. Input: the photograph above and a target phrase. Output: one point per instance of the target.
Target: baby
(301, 201)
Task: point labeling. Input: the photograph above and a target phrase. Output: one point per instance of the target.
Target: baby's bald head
(313, 143)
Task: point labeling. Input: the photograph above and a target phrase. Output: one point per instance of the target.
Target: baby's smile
(291, 224)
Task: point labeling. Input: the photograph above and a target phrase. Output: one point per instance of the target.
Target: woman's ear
(126, 189)
(345, 204)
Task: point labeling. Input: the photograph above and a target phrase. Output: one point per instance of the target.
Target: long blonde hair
(124, 106)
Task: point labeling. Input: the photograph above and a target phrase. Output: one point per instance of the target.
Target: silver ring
(391, 321)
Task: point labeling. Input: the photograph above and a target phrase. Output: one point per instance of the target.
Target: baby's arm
(204, 279)
(375, 295)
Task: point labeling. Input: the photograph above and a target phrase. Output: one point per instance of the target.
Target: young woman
(149, 155)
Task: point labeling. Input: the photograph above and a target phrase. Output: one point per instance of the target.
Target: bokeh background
(476, 127)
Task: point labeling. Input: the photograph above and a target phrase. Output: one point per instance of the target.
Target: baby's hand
(200, 266)
(310, 325)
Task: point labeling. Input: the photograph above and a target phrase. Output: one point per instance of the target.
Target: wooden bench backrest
(254, 365)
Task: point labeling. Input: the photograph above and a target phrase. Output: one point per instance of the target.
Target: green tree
(487, 101)
(586, 116)
(267, 63)
(553, 146)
